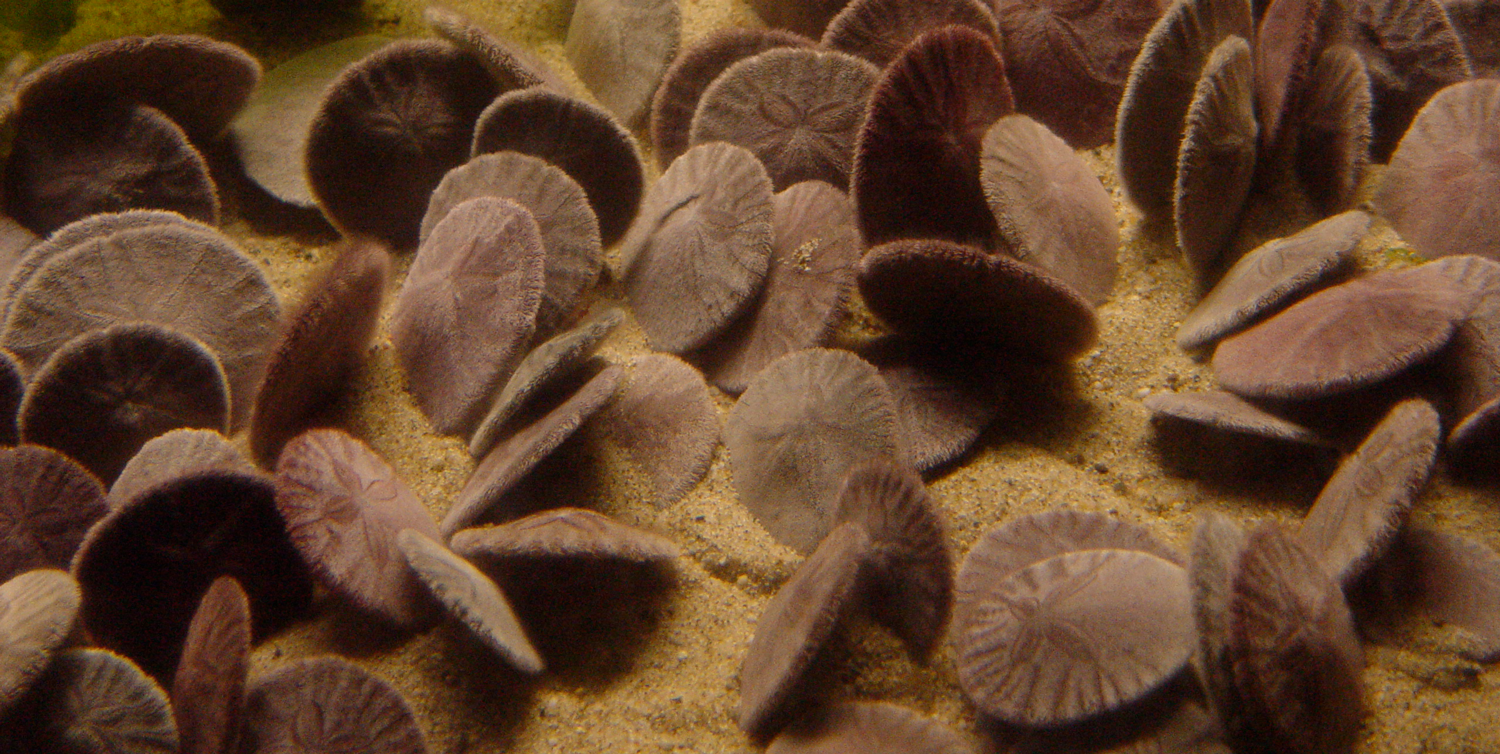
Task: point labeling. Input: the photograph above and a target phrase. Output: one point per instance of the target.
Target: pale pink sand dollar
(665, 420)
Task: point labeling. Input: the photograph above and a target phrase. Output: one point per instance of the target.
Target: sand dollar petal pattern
(93, 700)
(48, 502)
(208, 689)
(37, 611)
(621, 48)
(877, 30)
(326, 703)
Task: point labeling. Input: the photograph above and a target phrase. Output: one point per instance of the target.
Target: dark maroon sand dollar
(1230, 413)
(1068, 62)
(570, 231)
(1456, 580)
(877, 30)
(961, 295)
(105, 393)
(805, 17)
(698, 253)
(1365, 504)
(909, 562)
(198, 82)
(868, 728)
(511, 459)
(468, 308)
(1075, 635)
(795, 624)
(664, 418)
(1344, 337)
(1153, 110)
(343, 506)
(585, 141)
(326, 703)
(47, 502)
(93, 700)
(37, 612)
(945, 396)
(194, 281)
(146, 565)
(1287, 42)
(388, 129)
(1052, 210)
(471, 597)
(1270, 274)
(690, 74)
(1216, 162)
(1333, 132)
(1440, 191)
(173, 455)
(270, 134)
(916, 163)
(324, 340)
(814, 250)
(512, 66)
(564, 533)
(543, 368)
(798, 109)
(12, 389)
(67, 167)
(208, 690)
(1411, 51)
(1296, 659)
(803, 423)
(621, 48)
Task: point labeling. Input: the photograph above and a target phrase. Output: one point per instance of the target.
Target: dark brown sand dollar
(803, 423)
(1333, 134)
(513, 457)
(1052, 210)
(467, 309)
(698, 253)
(1269, 275)
(814, 250)
(37, 612)
(1154, 107)
(193, 281)
(1216, 162)
(944, 396)
(1477, 23)
(343, 507)
(798, 109)
(173, 455)
(959, 294)
(1075, 635)
(198, 82)
(146, 565)
(805, 17)
(570, 231)
(47, 502)
(1473, 360)
(1365, 504)
(93, 700)
(208, 690)
(389, 127)
(909, 562)
(869, 727)
(472, 597)
(1411, 51)
(324, 340)
(1218, 543)
(621, 48)
(1440, 191)
(1456, 580)
(105, 393)
(1068, 62)
(546, 365)
(1344, 337)
(585, 141)
(123, 157)
(12, 388)
(325, 703)
(1230, 413)
(512, 66)
(877, 30)
(664, 418)
(564, 533)
(15, 242)
(916, 163)
(1287, 43)
(270, 134)
(796, 623)
(690, 74)
(1296, 658)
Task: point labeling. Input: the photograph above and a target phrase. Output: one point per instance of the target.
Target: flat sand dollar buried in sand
(664, 418)
(620, 48)
(1216, 161)
(698, 252)
(468, 308)
(326, 703)
(37, 612)
(93, 700)
(208, 689)
(47, 502)
(802, 424)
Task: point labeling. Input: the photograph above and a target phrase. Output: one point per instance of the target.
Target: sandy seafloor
(647, 660)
